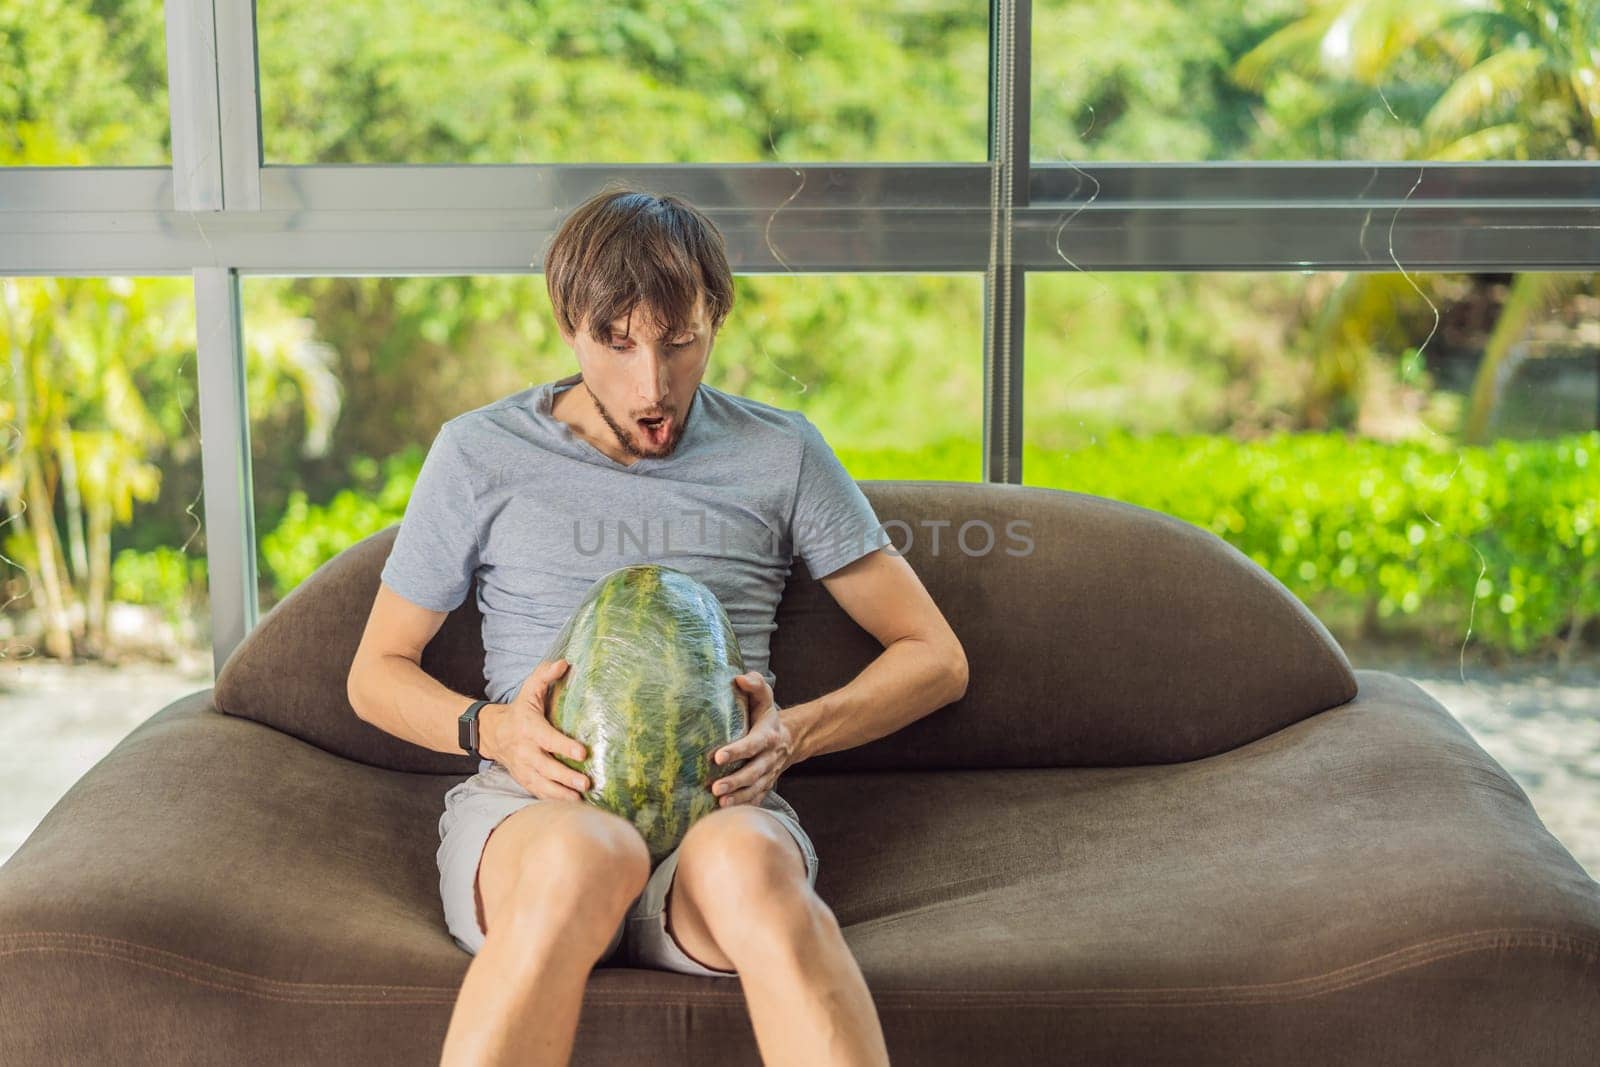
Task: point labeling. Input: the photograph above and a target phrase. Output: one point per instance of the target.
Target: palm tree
(1525, 85)
(97, 374)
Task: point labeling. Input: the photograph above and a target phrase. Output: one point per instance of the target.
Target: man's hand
(767, 747)
(525, 738)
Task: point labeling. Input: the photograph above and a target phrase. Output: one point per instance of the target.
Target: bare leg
(556, 878)
(740, 901)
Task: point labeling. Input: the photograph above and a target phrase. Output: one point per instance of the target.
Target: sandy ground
(56, 722)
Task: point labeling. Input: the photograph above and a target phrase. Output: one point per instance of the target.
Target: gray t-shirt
(510, 495)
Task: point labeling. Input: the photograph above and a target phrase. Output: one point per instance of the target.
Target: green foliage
(311, 534)
(1415, 540)
(1114, 80)
(83, 82)
(888, 366)
(659, 81)
(163, 577)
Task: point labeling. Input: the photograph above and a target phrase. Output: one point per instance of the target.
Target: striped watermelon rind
(648, 690)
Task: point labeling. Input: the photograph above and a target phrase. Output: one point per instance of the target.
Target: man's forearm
(397, 696)
(906, 681)
(909, 679)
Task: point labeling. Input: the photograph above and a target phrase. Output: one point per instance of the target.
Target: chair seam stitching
(1486, 939)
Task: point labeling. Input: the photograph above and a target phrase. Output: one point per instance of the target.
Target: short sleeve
(435, 554)
(833, 522)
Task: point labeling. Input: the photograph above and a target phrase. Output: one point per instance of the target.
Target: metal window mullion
(904, 218)
(239, 104)
(193, 106)
(207, 42)
(1005, 284)
(225, 460)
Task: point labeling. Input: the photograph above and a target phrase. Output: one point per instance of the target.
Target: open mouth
(656, 429)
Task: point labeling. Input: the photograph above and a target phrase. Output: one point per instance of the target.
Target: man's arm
(388, 687)
(922, 667)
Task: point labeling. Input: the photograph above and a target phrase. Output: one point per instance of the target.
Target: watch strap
(469, 729)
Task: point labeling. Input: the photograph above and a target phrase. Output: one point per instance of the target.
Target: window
(1292, 80)
(344, 406)
(83, 84)
(647, 81)
(105, 598)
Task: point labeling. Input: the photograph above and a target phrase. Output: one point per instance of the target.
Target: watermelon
(648, 690)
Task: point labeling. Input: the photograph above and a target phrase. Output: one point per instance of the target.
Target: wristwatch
(468, 729)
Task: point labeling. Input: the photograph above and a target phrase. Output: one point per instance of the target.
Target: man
(536, 496)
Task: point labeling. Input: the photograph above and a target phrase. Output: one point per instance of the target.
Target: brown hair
(624, 246)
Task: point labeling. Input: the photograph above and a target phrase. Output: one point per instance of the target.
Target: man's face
(641, 375)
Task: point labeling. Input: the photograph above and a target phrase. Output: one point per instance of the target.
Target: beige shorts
(474, 807)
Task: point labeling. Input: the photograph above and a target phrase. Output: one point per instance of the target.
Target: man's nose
(654, 380)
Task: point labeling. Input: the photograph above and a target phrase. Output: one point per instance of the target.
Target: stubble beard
(625, 437)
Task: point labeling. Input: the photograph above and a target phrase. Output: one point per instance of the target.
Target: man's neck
(573, 407)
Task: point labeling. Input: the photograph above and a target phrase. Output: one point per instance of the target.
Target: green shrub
(163, 577)
(309, 534)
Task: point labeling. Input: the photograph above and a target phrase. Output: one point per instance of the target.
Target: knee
(745, 867)
(591, 866)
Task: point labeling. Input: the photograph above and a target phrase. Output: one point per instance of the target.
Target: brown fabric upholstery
(1364, 885)
(1167, 823)
(1122, 636)
(291, 671)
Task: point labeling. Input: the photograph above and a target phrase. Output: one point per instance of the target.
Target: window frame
(217, 213)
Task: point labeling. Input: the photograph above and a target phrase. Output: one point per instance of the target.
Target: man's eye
(675, 344)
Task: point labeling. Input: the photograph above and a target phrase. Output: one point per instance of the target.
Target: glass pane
(1298, 80)
(102, 552)
(642, 81)
(1418, 463)
(83, 84)
(351, 379)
